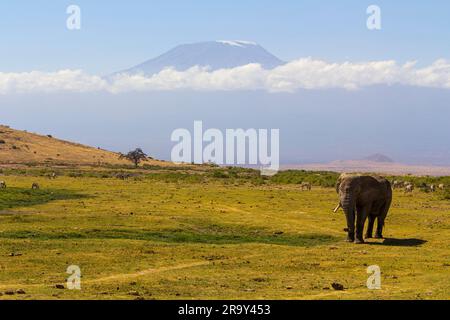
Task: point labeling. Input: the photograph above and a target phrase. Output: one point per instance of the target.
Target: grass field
(207, 238)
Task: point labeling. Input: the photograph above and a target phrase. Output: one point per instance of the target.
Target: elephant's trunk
(347, 201)
(348, 205)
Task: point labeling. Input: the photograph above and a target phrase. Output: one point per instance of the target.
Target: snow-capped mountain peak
(222, 54)
(237, 43)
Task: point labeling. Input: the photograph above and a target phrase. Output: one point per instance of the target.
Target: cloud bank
(305, 73)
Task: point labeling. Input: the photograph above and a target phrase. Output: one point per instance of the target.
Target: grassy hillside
(220, 234)
(20, 147)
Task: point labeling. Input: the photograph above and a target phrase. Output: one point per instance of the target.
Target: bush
(317, 178)
(446, 195)
(220, 174)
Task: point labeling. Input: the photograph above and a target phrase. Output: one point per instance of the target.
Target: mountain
(21, 147)
(378, 158)
(213, 54)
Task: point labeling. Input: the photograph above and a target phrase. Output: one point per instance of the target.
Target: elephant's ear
(338, 184)
(358, 188)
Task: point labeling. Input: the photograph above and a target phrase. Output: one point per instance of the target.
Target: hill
(213, 54)
(378, 158)
(21, 147)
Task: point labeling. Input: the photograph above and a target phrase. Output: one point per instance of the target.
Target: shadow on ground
(19, 197)
(400, 242)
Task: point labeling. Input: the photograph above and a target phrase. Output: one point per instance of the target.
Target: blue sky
(118, 34)
(401, 113)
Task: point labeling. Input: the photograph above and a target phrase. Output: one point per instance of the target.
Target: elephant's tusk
(337, 208)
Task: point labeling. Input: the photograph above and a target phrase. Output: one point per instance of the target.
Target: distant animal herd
(408, 187)
(34, 186)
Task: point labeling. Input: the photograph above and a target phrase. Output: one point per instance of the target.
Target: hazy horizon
(315, 126)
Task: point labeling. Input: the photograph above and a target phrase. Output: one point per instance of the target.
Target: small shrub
(220, 174)
(446, 195)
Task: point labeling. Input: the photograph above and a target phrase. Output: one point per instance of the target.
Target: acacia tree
(135, 156)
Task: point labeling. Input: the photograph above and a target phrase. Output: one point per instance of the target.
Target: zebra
(397, 184)
(306, 186)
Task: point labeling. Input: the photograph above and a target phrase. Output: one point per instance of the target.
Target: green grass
(205, 235)
(21, 197)
(203, 173)
(178, 236)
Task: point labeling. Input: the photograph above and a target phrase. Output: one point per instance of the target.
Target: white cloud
(36, 81)
(299, 74)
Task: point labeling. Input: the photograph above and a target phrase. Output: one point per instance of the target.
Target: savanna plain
(217, 233)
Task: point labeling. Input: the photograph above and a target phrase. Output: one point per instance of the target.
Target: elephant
(364, 197)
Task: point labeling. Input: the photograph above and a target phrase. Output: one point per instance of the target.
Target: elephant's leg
(360, 221)
(350, 216)
(370, 226)
(380, 225)
(380, 221)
